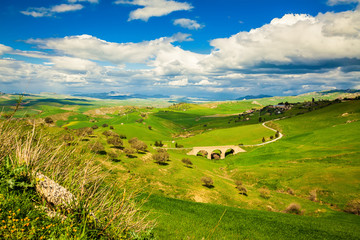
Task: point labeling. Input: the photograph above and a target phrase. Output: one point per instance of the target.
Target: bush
(208, 182)
(129, 151)
(178, 145)
(271, 137)
(132, 140)
(242, 190)
(161, 157)
(97, 147)
(313, 195)
(116, 141)
(294, 208)
(264, 193)
(109, 133)
(68, 138)
(202, 153)
(122, 136)
(353, 207)
(187, 162)
(85, 131)
(290, 191)
(49, 120)
(263, 139)
(158, 144)
(150, 127)
(95, 127)
(111, 127)
(139, 145)
(277, 134)
(112, 155)
(105, 125)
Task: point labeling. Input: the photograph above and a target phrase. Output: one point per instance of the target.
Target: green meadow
(316, 164)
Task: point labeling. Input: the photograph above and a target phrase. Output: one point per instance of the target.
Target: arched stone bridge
(210, 150)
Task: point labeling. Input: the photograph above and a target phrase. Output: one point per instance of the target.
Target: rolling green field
(316, 164)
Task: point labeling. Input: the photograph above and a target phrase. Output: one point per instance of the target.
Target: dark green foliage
(49, 120)
(178, 145)
(94, 127)
(158, 144)
(105, 125)
(150, 127)
(263, 139)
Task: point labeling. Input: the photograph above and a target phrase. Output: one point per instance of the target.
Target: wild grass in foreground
(95, 211)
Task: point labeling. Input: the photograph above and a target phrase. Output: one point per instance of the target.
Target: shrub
(277, 134)
(150, 127)
(112, 155)
(129, 151)
(161, 157)
(96, 147)
(85, 131)
(242, 190)
(109, 133)
(263, 139)
(94, 127)
(105, 125)
(49, 120)
(290, 191)
(264, 193)
(132, 140)
(178, 145)
(187, 162)
(111, 127)
(271, 137)
(122, 136)
(353, 207)
(139, 145)
(208, 182)
(68, 138)
(158, 144)
(294, 208)
(116, 141)
(313, 195)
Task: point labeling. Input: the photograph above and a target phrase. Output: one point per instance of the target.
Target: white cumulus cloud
(4, 49)
(48, 12)
(90, 1)
(188, 23)
(337, 2)
(154, 8)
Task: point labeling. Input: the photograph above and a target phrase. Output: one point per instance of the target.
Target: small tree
(161, 157)
(277, 134)
(271, 137)
(139, 145)
(187, 162)
(95, 127)
(150, 127)
(129, 151)
(158, 144)
(122, 136)
(353, 207)
(116, 141)
(111, 127)
(294, 208)
(132, 140)
(239, 186)
(208, 182)
(49, 120)
(263, 139)
(97, 147)
(105, 125)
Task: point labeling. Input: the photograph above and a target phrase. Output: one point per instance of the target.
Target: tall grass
(111, 208)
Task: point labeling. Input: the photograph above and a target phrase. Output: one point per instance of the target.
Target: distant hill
(340, 91)
(118, 96)
(247, 97)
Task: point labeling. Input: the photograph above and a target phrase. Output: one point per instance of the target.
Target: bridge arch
(216, 154)
(229, 151)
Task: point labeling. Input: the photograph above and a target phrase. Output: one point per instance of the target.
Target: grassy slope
(179, 219)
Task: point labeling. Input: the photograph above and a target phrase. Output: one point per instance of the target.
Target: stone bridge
(210, 150)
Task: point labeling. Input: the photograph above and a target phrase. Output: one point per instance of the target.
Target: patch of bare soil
(105, 110)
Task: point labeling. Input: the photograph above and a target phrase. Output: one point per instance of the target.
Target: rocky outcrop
(52, 192)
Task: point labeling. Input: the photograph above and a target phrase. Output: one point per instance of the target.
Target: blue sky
(208, 49)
